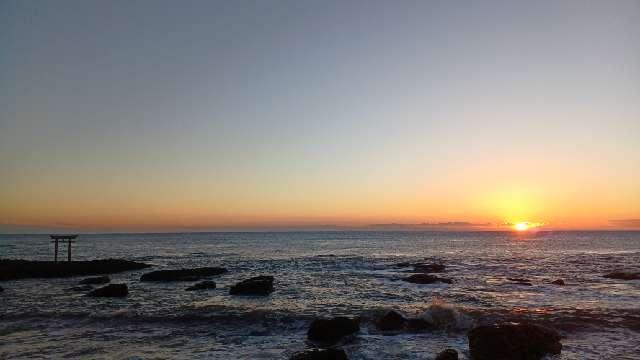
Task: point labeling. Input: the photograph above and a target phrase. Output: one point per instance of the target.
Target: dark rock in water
(83, 288)
(182, 274)
(95, 280)
(203, 285)
(429, 268)
(259, 285)
(1, 289)
(111, 290)
(332, 330)
(558, 282)
(521, 281)
(622, 275)
(25, 269)
(513, 341)
(392, 320)
(447, 354)
(419, 325)
(426, 279)
(321, 354)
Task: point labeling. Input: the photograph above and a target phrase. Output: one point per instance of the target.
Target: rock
(111, 290)
(392, 320)
(521, 281)
(419, 325)
(26, 269)
(429, 268)
(1, 289)
(203, 285)
(259, 285)
(95, 280)
(447, 354)
(506, 341)
(426, 279)
(83, 288)
(182, 274)
(623, 275)
(321, 354)
(332, 330)
(558, 282)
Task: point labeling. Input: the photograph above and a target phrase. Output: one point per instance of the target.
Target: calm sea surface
(325, 274)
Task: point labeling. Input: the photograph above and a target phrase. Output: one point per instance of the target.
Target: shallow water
(322, 274)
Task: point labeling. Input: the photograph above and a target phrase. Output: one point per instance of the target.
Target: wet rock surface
(558, 282)
(321, 354)
(111, 290)
(522, 341)
(259, 285)
(332, 330)
(193, 274)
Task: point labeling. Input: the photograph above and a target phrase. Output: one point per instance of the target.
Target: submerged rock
(182, 274)
(111, 290)
(427, 279)
(203, 285)
(392, 320)
(558, 282)
(321, 354)
(26, 269)
(521, 281)
(95, 280)
(447, 354)
(513, 341)
(623, 275)
(429, 268)
(332, 330)
(259, 285)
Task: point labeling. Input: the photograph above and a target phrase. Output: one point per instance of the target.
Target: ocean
(319, 274)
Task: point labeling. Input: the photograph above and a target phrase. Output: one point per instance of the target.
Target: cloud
(432, 225)
(626, 223)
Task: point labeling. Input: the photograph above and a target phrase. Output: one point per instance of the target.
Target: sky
(205, 115)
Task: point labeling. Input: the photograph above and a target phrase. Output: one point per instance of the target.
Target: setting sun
(523, 226)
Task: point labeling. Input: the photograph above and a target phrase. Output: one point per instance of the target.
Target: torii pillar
(63, 238)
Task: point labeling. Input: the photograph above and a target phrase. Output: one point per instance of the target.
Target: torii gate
(63, 238)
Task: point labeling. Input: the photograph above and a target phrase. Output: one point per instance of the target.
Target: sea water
(321, 274)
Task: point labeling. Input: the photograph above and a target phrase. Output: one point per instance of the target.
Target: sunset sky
(206, 115)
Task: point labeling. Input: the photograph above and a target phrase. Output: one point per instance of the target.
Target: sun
(521, 226)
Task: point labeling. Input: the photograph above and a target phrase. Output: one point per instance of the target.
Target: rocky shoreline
(28, 269)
